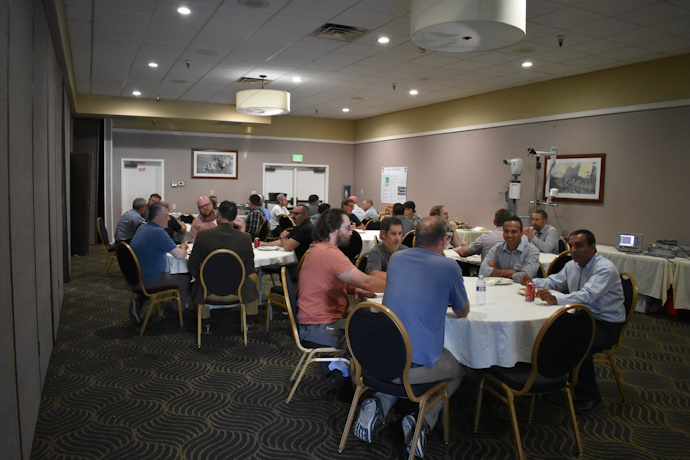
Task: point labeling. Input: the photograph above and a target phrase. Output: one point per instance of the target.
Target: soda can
(256, 242)
(530, 291)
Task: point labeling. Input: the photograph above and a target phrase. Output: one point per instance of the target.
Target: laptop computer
(629, 242)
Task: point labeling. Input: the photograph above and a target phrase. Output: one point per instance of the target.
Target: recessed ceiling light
(136, 93)
(184, 10)
(297, 79)
(153, 64)
(345, 109)
(414, 92)
(384, 40)
(527, 64)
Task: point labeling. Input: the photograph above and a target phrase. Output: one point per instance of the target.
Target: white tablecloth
(499, 333)
(468, 236)
(261, 259)
(368, 239)
(681, 284)
(545, 258)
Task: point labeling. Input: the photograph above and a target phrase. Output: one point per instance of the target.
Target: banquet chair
(353, 249)
(310, 351)
(409, 239)
(381, 351)
(559, 262)
(373, 225)
(262, 232)
(130, 268)
(540, 272)
(563, 245)
(561, 345)
(362, 262)
(109, 249)
(276, 296)
(630, 300)
(222, 275)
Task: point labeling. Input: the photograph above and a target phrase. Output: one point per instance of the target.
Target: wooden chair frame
(278, 300)
(109, 253)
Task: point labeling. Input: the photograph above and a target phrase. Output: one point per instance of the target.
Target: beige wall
(647, 164)
(176, 150)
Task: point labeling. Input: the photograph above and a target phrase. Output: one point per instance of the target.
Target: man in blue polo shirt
(150, 244)
(421, 282)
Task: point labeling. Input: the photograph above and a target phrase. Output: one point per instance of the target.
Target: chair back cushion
(362, 262)
(129, 265)
(103, 232)
(564, 341)
(408, 239)
(222, 273)
(373, 225)
(627, 294)
(353, 249)
(262, 233)
(559, 262)
(377, 343)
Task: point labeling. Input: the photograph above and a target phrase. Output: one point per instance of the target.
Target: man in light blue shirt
(512, 258)
(541, 234)
(594, 281)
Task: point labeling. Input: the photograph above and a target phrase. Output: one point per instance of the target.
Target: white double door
(297, 181)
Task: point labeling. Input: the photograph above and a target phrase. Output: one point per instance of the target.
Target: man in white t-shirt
(279, 210)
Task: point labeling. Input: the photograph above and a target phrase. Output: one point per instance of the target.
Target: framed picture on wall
(214, 164)
(578, 178)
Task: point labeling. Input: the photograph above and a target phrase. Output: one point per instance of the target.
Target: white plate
(495, 281)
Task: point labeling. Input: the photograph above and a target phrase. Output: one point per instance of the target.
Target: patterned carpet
(112, 394)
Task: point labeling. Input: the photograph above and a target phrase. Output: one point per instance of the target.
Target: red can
(256, 242)
(530, 292)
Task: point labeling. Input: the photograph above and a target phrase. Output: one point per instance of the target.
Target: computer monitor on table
(630, 242)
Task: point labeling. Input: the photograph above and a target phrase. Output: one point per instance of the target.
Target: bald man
(206, 219)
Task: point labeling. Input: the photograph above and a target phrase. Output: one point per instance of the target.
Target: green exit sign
(296, 158)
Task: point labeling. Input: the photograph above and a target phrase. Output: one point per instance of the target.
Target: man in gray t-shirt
(391, 236)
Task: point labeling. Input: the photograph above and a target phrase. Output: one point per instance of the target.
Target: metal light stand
(553, 153)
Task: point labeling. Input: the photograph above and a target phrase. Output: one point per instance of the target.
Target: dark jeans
(605, 336)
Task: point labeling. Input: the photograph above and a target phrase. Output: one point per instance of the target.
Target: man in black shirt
(299, 238)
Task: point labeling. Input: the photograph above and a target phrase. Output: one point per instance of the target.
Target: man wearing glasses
(206, 219)
(299, 238)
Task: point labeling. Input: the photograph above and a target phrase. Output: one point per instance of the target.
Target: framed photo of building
(578, 178)
(214, 164)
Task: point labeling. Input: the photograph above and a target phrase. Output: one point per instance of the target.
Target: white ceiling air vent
(339, 32)
(253, 81)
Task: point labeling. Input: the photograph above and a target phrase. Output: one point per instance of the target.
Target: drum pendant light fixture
(463, 26)
(262, 102)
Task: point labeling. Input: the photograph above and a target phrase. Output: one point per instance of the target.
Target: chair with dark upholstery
(353, 249)
(630, 300)
(222, 275)
(381, 352)
(540, 272)
(311, 352)
(409, 239)
(262, 232)
(108, 248)
(362, 262)
(373, 225)
(130, 268)
(276, 297)
(561, 345)
(559, 262)
(563, 245)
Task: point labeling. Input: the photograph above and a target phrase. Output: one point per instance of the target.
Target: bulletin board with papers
(394, 184)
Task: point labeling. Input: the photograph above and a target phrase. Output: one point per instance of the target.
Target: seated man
(391, 235)
(440, 210)
(399, 212)
(485, 242)
(411, 212)
(129, 221)
(348, 206)
(150, 244)
(369, 210)
(206, 219)
(278, 210)
(594, 281)
(266, 212)
(226, 236)
(255, 217)
(176, 229)
(512, 258)
(356, 210)
(421, 284)
(323, 207)
(154, 198)
(542, 235)
(326, 278)
(313, 204)
(299, 238)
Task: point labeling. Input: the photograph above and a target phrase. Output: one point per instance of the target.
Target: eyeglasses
(449, 237)
(204, 206)
(346, 227)
(297, 213)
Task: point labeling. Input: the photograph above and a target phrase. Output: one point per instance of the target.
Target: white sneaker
(408, 426)
(370, 414)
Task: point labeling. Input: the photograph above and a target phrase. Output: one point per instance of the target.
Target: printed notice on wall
(394, 184)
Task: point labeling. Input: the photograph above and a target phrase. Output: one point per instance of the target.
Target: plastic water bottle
(481, 290)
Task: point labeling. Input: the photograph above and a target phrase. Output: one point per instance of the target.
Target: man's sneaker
(370, 414)
(134, 312)
(408, 426)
